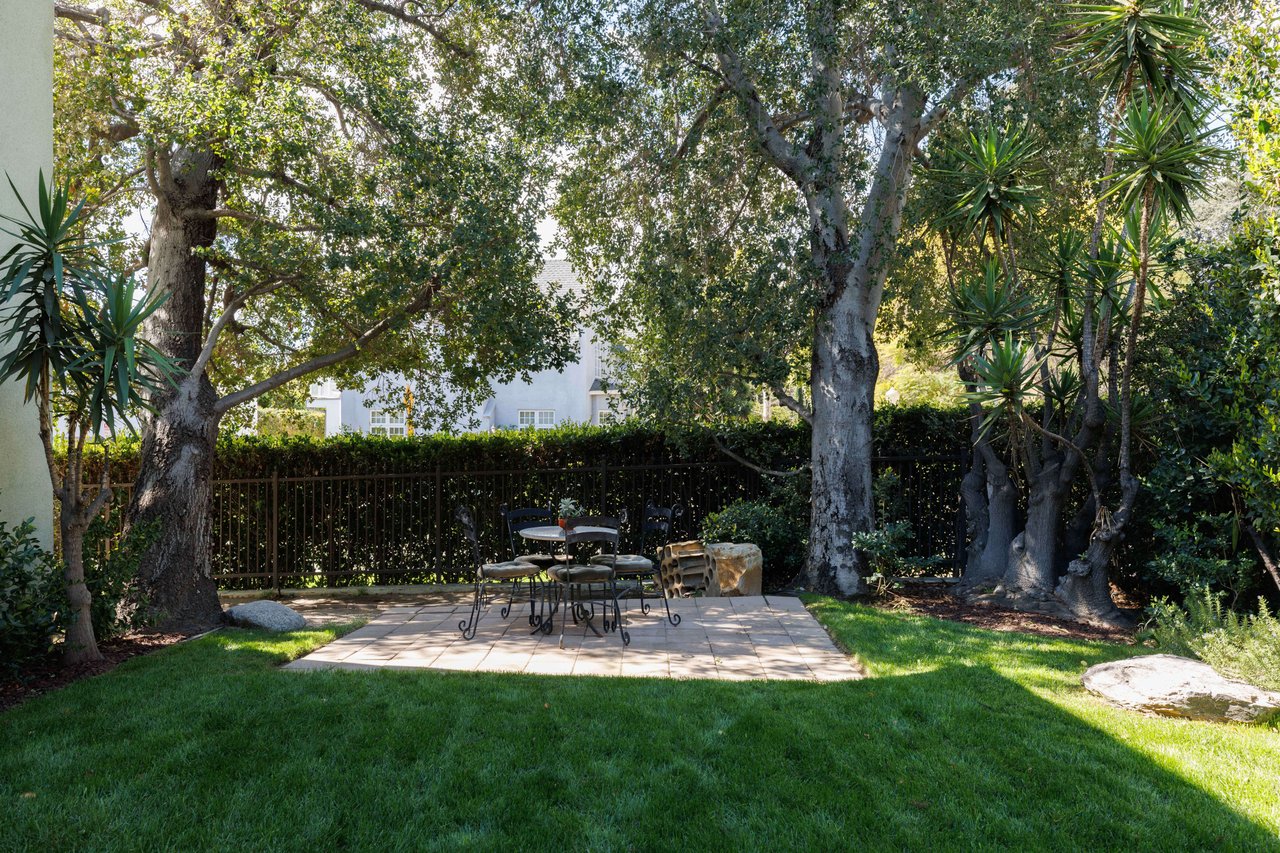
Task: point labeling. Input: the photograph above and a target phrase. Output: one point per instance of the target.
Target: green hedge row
(898, 431)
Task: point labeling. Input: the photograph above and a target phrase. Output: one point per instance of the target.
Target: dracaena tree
(71, 330)
(321, 194)
(1066, 338)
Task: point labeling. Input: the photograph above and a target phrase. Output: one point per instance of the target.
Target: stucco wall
(26, 146)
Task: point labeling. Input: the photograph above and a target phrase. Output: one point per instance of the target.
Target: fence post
(604, 489)
(275, 529)
(437, 500)
(961, 561)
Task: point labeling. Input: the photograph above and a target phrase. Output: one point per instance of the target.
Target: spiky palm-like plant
(71, 334)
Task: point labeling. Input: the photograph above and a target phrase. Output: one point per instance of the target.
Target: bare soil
(52, 675)
(935, 600)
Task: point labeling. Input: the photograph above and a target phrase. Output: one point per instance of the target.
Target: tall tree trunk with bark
(175, 480)
(845, 367)
(845, 362)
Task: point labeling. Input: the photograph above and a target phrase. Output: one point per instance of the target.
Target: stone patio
(732, 639)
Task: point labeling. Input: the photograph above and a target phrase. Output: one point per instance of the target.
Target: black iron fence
(398, 528)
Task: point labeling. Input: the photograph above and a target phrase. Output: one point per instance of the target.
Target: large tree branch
(792, 162)
(804, 412)
(742, 460)
(402, 10)
(947, 103)
(420, 303)
(228, 314)
(700, 120)
(72, 12)
(245, 216)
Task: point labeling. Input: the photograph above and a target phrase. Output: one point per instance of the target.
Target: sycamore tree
(738, 204)
(320, 194)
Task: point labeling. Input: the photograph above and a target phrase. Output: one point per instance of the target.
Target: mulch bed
(935, 600)
(51, 675)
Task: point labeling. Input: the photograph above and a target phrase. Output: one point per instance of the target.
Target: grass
(963, 738)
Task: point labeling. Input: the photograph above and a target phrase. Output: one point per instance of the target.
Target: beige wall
(26, 146)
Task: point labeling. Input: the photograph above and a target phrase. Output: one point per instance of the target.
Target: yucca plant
(992, 185)
(1140, 44)
(1007, 375)
(1161, 162)
(71, 336)
(984, 308)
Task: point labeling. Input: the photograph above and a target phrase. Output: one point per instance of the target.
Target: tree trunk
(1086, 590)
(1032, 570)
(845, 364)
(1002, 526)
(174, 481)
(80, 645)
(844, 381)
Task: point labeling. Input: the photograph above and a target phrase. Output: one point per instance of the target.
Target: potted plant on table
(568, 508)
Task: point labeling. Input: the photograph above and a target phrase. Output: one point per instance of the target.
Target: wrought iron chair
(522, 519)
(655, 531)
(511, 573)
(575, 581)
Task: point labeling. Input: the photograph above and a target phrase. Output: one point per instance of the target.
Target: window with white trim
(383, 422)
(538, 418)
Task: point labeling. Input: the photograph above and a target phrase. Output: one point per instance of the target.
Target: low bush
(780, 535)
(1241, 645)
(31, 597)
(111, 572)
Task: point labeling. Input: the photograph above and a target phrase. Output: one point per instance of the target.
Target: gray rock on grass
(1180, 687)
(268, 615)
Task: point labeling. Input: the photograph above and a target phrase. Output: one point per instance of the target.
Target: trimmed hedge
(898, 431)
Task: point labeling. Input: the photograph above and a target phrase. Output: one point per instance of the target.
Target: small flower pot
(562, 521)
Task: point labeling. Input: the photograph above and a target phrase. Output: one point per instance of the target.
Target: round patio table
(555, 533)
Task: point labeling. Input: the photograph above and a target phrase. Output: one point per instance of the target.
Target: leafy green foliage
(31, 598)
(1244, 646)
(72, 322)
(1203, 553)
(888, 546)
(780, 535)
(344, 167)
(287, 422)
(111, 564)
(900, 430)
(991, 178)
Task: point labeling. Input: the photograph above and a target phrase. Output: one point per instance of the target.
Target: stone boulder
(738, 566)
(269, 615)
(1180, 687)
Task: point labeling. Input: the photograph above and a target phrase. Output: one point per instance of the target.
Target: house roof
(560, 272)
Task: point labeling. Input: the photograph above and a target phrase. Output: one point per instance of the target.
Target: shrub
(1244, 646)
(780, 536)
(887, 548)
(31, 597)
(1203, 554)
(111, 572)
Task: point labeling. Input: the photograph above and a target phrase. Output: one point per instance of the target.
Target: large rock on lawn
(270, 615)
(1180, 687)
(739, 567)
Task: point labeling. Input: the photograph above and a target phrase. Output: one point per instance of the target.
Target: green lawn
(962, 739)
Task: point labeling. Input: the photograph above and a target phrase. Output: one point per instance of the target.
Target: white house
(573, 395)
(26, 147)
